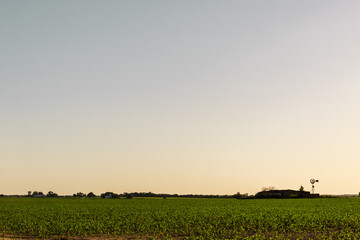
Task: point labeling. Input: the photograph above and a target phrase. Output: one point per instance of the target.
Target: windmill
(313, 181)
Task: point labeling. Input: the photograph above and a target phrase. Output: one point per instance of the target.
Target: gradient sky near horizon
(210, 97)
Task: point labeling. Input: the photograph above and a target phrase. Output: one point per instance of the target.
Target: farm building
(285, 194)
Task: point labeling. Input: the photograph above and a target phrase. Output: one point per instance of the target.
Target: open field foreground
(151, 218)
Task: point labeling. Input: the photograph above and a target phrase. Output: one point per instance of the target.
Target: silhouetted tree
(301, 189)
(91, 194)
(51, 194)
(268, 188)
(79, 195)
(36, 193)
(109, 195)
(237, 195)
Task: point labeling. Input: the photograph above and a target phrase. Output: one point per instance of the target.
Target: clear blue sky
(179, 96)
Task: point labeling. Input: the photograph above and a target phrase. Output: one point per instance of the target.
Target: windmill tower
(313, 181)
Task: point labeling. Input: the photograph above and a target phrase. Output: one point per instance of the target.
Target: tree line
(51, 194)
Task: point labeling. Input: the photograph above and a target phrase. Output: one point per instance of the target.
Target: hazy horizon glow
(206, 97)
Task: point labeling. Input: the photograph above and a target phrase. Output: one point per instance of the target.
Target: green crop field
(152, 218)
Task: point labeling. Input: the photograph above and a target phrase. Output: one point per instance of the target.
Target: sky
(206, 97)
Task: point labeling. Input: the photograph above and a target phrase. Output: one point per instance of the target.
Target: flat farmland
(176, 218)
